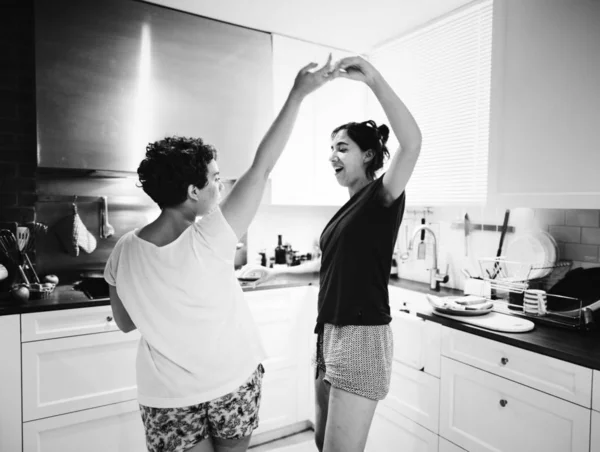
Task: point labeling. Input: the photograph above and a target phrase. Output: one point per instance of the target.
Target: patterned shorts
(356, 358)
(232, 416)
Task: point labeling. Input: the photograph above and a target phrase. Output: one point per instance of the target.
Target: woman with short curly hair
(199, 369)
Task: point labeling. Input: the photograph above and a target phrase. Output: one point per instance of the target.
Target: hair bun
(384, 132)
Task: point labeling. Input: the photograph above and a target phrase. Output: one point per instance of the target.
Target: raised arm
(401, 120)
(242, 203)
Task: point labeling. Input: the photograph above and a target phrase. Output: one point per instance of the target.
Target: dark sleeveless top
(357, 246)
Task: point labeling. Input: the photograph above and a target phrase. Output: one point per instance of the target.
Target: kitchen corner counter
(576, 347)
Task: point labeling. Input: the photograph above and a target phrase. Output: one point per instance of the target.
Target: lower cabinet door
(278, 399)
(414, 394)
(392, 432)
(279, 315)
(483, 412)
(447, 446)
(595, 432)
(114, 428)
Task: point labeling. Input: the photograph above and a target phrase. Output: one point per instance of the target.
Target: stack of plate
(534, 302)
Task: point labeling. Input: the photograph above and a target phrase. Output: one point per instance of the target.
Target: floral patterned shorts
(232, 416)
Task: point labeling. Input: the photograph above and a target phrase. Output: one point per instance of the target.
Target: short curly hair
(173, 164)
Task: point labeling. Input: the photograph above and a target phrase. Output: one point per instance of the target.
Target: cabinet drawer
(392, 432)
(115, 427)
(76, 373)
(415, 395)
(596, 391)
(565, 380)
(482, 412)
(416, 342)
(66, 322)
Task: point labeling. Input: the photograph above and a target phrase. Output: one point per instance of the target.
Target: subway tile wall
(577, 233)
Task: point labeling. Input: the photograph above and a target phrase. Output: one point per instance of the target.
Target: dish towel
(74, 235)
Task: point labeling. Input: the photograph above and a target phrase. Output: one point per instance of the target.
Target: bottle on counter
(394, 268)
(280, 252)
(263, 258)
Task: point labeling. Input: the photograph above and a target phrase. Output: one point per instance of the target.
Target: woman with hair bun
(354, 346)
(199, 370)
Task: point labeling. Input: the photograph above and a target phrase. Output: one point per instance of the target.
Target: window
(442, 72)
(303, 175)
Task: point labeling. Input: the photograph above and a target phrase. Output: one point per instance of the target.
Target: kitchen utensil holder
(514, 278)
(43, 292)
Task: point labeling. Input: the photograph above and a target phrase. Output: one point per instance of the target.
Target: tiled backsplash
(576, 231)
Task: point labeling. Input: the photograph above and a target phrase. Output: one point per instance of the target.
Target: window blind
(442, 73)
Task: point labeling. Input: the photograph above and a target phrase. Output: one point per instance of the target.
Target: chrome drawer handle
(109, 319)
(504, 361)
(503, 402)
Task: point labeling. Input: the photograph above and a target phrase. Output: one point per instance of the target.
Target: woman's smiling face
(347, 159)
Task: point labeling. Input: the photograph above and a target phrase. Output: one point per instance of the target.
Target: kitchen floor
(300, 442)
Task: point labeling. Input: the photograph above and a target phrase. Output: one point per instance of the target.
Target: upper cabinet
(112, 76)
(545, 104)
(303, 175)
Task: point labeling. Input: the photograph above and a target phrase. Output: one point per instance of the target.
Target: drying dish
(538, 250)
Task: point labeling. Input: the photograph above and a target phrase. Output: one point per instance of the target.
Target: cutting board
(494, 321)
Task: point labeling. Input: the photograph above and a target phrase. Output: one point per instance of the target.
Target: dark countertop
(65, 297)
(571, 346)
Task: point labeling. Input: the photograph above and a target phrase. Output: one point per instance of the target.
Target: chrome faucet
(435, 277)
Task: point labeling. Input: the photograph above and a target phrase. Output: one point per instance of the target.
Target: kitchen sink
(407, 300)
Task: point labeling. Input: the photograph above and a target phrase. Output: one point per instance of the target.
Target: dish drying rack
(508, 281)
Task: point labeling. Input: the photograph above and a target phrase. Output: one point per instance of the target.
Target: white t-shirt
(199, 339)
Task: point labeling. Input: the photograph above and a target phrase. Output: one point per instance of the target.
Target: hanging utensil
(106, 229)
(499, 252)
(421, 249)
(404, 256)
(467, 227)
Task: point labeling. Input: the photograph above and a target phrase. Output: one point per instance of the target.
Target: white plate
(537, 249)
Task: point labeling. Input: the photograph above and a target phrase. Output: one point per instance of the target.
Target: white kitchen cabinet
(416, 342)
(392, 432)
(414, 394)
(10, 383)
(596, 391)
(544, 105)
(68, 322)
(303, 174)
(559, 378)
(483, 412)
(595, 444)
(115, 428)
(75, 373)
(447, 446)
(282, 319)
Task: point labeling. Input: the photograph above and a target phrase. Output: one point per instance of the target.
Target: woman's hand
(306, 82)
(255, 274)
(356, 68)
